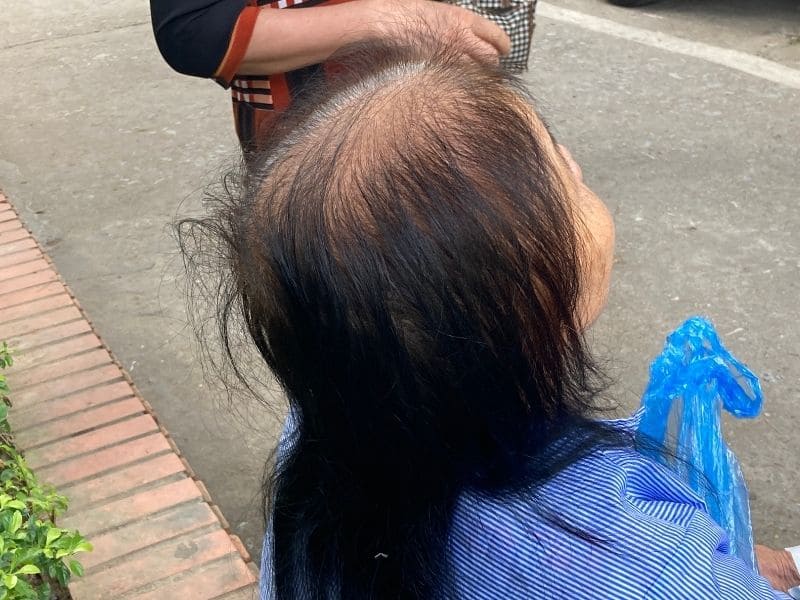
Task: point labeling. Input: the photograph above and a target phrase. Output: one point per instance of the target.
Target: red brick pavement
(84, 428)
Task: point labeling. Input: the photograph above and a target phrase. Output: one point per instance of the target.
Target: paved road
(101, 145)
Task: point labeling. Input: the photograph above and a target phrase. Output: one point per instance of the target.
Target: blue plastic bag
(692, 380)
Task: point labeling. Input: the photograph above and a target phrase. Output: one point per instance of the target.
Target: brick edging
(147, 408)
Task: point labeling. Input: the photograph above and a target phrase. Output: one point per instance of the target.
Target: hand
(398, 18)
(777, 567)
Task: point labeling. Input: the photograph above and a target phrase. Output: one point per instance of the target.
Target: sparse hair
(403, 255)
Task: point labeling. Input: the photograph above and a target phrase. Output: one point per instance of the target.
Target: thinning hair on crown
(354, 160)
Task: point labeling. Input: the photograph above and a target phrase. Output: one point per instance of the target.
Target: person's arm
(218, 38)
(285, 40)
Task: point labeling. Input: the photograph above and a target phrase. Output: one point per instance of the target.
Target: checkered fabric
(516, 18)
(253, 89)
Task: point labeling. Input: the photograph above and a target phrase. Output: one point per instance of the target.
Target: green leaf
(76, 568)
(28, 570)
(43, 591)
(83, 546)
(62, 574)
(17, 504)
(10, 581)
(15, 523)
(52, 535)
(24, 591)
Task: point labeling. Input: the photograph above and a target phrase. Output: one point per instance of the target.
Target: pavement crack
(73, 35)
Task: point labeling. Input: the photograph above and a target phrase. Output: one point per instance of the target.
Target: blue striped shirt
(658, 540)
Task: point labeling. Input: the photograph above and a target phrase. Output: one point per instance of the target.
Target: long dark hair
(404, 256)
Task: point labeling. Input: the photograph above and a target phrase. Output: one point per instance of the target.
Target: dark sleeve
(194, 36)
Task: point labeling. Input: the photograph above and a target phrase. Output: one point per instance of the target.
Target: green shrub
(33, 551)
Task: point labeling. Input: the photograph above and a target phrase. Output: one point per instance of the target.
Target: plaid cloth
(516, 18)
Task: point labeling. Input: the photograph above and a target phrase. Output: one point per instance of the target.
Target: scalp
(368, 131)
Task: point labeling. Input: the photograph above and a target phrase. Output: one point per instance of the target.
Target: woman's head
(416, 260)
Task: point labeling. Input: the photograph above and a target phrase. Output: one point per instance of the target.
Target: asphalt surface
(101, 146)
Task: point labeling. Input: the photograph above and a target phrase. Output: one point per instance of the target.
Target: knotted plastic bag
(692, 380)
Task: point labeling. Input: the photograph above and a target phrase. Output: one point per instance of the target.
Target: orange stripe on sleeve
(279, 87)
(240, 39)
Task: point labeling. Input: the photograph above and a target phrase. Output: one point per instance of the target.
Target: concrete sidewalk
(84, 428)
